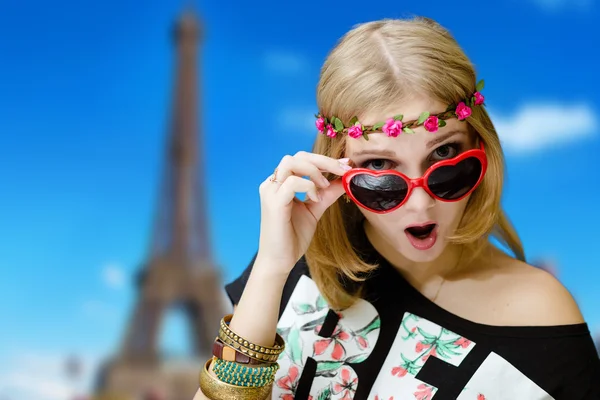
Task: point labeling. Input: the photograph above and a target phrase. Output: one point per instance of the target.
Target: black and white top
(395, 344)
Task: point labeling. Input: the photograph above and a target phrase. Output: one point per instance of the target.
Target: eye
(377, 164)
(446, 151)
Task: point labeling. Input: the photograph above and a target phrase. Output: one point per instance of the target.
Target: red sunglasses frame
(419, 182)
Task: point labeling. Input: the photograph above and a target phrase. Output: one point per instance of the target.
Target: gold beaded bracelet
(260, 353)
(214, 389)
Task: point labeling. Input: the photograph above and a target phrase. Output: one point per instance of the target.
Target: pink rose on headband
(463, 111)
(478, 98)
(330, 132)
(392, 127)
(355, 131)
(431, 124)
(320, 123)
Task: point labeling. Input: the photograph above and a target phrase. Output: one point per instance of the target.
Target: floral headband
(394, 126)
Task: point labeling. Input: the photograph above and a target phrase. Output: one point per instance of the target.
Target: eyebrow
(375, 152)
(391, 154)
(444, 136)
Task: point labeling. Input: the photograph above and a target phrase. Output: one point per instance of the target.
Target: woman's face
(419, 228)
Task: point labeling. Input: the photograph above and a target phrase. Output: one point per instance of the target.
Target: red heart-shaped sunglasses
(447, 180)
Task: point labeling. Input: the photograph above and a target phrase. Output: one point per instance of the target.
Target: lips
(422, 236)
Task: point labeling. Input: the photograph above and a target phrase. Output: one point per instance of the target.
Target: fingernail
(325, 181)
(344, 160)
(345, 167)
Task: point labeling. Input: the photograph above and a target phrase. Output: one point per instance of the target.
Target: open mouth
(421, 232)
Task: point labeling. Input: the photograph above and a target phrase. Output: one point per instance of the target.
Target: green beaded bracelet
(241, 375)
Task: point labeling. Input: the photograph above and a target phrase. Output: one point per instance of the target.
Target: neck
(422, 275)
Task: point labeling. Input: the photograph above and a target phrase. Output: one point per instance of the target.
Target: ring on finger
(273, 177)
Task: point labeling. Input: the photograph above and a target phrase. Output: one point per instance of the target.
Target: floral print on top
(352, 341)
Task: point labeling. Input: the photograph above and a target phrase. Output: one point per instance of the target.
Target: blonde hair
(371, 64)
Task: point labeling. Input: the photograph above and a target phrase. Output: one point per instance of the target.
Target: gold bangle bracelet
(265, 358)
(214, 389)
(260, 353)
(276, 348)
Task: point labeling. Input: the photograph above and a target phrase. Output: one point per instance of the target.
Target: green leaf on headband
(424, 115)
(365, 135)
(479, 86)
(441, 123)
(326, 121)
(471, 102)
(451, 107)
(338, 124)
(408, 130)
(317, 115)
(378, 125)
(354, 120)
(398, 117)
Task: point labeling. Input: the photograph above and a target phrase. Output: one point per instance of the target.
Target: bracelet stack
(242, 370)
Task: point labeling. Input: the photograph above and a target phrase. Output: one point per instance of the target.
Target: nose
(419, 201)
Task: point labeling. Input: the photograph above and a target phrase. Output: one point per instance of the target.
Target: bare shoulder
(532, 296)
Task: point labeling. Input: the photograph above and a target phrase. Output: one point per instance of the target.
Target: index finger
(326, 164)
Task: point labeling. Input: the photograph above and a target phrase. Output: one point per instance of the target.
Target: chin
(419, 255)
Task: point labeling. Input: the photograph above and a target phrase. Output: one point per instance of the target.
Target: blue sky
(85, 96)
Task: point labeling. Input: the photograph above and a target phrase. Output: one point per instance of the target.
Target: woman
(383, 283)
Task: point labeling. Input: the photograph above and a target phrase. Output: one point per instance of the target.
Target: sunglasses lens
(380, 193)
(454, 181)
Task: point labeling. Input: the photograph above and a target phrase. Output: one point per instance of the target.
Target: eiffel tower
(180, 271)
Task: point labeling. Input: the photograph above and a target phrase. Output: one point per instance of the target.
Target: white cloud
(34, 375)
(114, 276)
(556, 5)
(297, 119)
(537, 126)
(285, 62)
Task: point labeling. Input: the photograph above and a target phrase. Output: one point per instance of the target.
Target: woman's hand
(288, 224)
